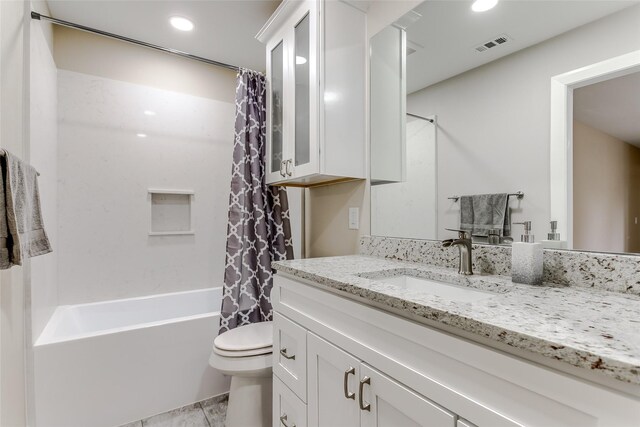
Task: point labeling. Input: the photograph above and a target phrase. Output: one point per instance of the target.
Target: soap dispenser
(553, 239)
(526, 258)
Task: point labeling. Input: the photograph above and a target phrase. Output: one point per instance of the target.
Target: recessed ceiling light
(180, 23)
(149, 113)
(141, 135)
(483, 5)
(301, 60)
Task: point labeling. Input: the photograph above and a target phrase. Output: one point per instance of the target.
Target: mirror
(461, 105)
(606, 165)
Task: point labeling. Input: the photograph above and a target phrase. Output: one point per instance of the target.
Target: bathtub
(113, 362)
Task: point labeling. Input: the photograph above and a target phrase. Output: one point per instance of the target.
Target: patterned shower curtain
(259, 229)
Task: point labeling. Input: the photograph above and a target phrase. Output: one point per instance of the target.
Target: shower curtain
(259, 230)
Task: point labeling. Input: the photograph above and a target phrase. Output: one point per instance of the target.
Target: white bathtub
(112, 362)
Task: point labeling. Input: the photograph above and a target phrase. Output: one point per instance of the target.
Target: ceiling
(224, 29)
(612, 106)
(448, 32)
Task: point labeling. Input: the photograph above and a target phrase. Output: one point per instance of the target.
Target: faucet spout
(465, 248)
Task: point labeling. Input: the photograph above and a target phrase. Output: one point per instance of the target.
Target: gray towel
(22, 233)
(484, 212)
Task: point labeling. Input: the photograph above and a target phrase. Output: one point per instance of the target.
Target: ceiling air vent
(497, 41)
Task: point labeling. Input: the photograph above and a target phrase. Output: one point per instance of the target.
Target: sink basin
(439, 289)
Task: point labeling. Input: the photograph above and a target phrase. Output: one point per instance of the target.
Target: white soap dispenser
(553, 239)
(526, 258)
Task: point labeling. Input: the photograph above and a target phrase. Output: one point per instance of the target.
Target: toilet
(244, 353)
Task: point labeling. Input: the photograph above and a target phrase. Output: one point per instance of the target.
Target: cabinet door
(276, 117)
(288, 409)
(332, 385)
(391, 404)
(304, 83)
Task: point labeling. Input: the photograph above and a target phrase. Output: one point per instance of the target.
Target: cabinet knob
(283, 421)
(347, 393)
(282, 162)
(288, 168)
(367, 407)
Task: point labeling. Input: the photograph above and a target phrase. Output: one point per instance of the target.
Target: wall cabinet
(316, 75)
(366, 367)
(388, 106)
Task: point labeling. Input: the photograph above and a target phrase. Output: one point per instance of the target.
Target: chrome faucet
(463, 242)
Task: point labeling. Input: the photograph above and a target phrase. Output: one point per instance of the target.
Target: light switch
(354, 218)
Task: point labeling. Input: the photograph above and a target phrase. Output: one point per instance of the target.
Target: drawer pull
(367, 407)
(283, 421)
(347, 393)
(289, 163)
(281, 168)
(283, 352)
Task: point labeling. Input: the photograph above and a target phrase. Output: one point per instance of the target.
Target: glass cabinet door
(302, 50)
(276, 130)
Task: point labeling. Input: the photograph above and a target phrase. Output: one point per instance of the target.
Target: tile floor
(208, 413)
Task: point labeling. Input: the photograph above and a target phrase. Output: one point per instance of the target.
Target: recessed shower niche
(171, 212)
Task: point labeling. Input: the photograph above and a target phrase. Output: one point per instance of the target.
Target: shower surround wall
(44, 148)
(106, 168)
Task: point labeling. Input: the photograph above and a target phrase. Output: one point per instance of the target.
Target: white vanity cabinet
(288, 409)
(368, 367)
(316, 68)
(344, 391)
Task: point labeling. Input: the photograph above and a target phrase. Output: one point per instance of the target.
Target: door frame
(561, 125)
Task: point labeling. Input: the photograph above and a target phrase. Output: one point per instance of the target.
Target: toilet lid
(247, 337)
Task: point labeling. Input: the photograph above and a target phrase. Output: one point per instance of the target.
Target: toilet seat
(243, 353)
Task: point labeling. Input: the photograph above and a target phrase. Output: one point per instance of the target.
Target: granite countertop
(587, 328)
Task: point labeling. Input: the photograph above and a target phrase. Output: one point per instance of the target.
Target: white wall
(605, 192)
(409, 209)
(189, 145)
(14, 89)
(88, 53)
(43, 132)
(493, 121)
(105, 171)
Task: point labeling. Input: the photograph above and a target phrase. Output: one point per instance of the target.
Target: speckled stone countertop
(587, 328)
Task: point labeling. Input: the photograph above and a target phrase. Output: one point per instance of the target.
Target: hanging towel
(483, 212)
(22, 233)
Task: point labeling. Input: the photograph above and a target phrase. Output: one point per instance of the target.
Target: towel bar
(3, 152)
(519, 195)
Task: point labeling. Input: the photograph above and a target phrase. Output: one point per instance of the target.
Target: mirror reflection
(606, 165)
(461, 117)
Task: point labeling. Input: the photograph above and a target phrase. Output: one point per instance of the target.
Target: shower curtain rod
(39, 17)
(419, 117)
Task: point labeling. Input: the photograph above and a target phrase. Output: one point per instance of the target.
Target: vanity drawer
(288, 409)
(290, 355)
